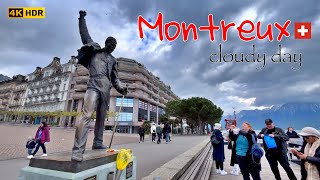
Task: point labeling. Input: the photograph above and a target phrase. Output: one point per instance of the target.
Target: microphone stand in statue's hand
(116, 122)
(124, 156)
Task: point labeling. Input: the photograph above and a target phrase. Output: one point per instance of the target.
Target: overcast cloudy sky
(185, 66)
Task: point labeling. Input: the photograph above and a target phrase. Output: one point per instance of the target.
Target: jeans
(273, 158)
(167, 137)
(247, 168)
(159, 138)
(37, 148)
(30, 151)
(141, 137)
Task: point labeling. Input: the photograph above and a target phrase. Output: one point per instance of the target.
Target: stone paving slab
(14, 137)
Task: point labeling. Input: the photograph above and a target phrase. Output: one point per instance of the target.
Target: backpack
(214, 141)
(270, 142)
(256, 151)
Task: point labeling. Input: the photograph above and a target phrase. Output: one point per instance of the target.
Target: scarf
(311, 169)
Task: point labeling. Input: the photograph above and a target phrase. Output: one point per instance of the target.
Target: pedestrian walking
(218, 150)
(244, 141)
(159, 133)
(153, 132)
(275, 145)
(166, 131)
(169, 134)
(141, 132)
(42, 137)
(309, 154)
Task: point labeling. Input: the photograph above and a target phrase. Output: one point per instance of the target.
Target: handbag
(270, 142)
(256, 151)
(214, 141)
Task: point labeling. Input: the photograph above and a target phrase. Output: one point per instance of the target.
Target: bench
(201, 167)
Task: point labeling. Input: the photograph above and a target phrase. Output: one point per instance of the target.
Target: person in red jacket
(42, 137)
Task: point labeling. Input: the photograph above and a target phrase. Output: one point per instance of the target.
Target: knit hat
(217, 126)
(309, 131)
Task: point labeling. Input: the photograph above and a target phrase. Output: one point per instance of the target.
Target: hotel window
(143, 105)
(125, 116)
(143, 110)
(127, 102)
(153, 108)
(127, 109)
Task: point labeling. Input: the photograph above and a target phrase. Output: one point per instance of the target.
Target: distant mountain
(4, 78)
(297, 115)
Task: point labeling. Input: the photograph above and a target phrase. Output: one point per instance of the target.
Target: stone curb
(177, 166)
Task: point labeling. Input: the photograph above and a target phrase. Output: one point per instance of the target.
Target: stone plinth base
(96, 165)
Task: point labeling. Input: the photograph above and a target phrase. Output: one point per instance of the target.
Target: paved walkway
(150, 156)
(266, 173)
(14, 137)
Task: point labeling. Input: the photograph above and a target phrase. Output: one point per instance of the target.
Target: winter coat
(248, 135)
(292, 134)
(141, 130)
(218, 151)
(280, 137)
(167, 129)
(45, 136)
(313, 160)
(153, 129)
(158, 130)
(233, 151)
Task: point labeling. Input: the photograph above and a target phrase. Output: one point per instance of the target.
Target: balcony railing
(43, 93)
(42, 101)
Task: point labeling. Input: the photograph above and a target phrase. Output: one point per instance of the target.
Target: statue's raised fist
(82, 13)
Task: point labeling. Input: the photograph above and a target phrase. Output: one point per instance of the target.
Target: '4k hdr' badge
(302, 30)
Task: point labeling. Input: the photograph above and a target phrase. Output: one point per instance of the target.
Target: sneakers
(30, 156)
(235, 170)
(44, 155)
(218, 171)
(223, 172)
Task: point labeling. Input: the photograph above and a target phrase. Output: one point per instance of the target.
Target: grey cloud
(39, 40)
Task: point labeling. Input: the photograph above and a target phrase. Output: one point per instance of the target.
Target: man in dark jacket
(141, 133)
(278, 154)
(167, 130)
(159, 133)
(291, 133)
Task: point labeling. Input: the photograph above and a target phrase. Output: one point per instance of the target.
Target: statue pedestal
(96, 165)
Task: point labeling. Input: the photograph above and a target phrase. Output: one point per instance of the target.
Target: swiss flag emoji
(302, 30)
